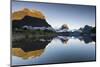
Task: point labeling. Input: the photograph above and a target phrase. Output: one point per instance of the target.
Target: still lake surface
(59, 49)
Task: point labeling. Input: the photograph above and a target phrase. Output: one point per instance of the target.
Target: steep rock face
(63, 28)
(30, 21)
(27, 17)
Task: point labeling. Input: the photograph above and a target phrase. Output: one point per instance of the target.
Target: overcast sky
(75, 16)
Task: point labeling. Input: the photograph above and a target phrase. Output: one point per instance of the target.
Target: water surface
(58, 49)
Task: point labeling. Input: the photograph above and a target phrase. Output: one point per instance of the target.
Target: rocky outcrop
(18, 15)
(28, 17)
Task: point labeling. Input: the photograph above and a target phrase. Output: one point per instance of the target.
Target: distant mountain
(63, 28)
(88, 29)
(29, 19)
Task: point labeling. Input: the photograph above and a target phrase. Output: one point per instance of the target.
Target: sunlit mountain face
(18, 15)
(29, 19)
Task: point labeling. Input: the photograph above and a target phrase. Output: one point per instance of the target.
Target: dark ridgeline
(88, 30)
(30, 21)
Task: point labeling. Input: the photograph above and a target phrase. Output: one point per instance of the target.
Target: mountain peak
(26, 10)
(18, 15)
(64, 26)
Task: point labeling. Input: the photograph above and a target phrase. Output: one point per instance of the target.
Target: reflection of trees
(87, 39)
(34, 47)
(28, 48)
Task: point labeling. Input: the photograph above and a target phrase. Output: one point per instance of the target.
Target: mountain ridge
(30, 21)
(18, 15)
(29, 18)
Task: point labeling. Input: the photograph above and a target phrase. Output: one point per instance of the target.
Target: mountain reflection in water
(34, 47)
(27, 48)
(86, 39)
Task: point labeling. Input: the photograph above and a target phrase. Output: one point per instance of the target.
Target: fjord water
(59, 49)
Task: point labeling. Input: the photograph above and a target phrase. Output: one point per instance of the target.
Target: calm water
(53, 50)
